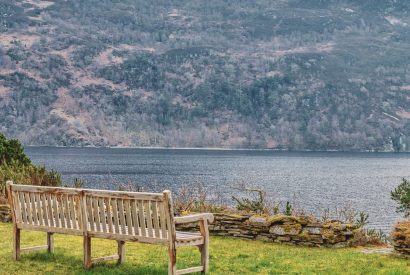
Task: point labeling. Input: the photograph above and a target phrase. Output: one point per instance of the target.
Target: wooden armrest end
(194, 218)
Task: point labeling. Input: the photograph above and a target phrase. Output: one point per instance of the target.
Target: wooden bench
(120, 216)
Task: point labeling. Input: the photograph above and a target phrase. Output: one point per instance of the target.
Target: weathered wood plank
(148, 217)
(163, 221)
(39, 208)
(155, 218)
(121, 215)
(33, 208)
(128, 216)
(73, 218)
(66, 211)
(90, 214)
(169, 210)
(16, 205)
(109, 214)
(96, 215)
(22, 207)
(103, 219)
(190, 270)
(55, 210)
(104, 259)
(34, 248)
(60, 206)
(44, 209)
(135, 217)
(115, 215)
(58, 230)
(50, 209)
(28, 207)
(141, 218)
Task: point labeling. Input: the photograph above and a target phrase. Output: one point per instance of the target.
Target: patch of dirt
(134, 48)
(26, 39)
(405, 88)
(106, 58)
(39, 3)
(4, 91)
(403, 114)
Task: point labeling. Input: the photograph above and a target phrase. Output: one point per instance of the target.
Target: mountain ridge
(297, 75)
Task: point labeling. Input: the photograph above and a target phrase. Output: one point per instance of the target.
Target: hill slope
(290, 74)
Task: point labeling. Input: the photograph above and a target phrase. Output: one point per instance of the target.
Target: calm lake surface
(313, 181)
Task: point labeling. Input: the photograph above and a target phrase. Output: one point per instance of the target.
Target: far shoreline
(218, 149)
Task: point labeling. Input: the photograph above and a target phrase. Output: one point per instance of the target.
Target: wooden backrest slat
(74, 213)
(56, 214)
(60, 207)
(121, 215)
(115, 215)
(78, 211)
(38, 208)
(148, 217)
(22, 207)
(108, 209)
(135, 217)
(103, 219)
(96, 215)
(17, 206)
(90, 213)
(49, 209)
(44, 209)
(142, 218)
(128, 218)
(163, 221)
(65, 212)
(155, 218)
(33, 208)
(28, 207)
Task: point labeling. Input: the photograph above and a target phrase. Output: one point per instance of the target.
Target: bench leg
(204, 257)
(87, 252)
(16, 243)
(50, 242)
(121, 252)
(172, 264)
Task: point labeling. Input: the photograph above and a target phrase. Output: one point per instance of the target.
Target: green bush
(16, 166)
(401, 194)
(12, 151)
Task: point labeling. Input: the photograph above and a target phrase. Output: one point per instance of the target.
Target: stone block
(288, 229)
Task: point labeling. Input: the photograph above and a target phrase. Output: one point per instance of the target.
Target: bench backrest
(38, 206)
(146, 215)
(98, 213)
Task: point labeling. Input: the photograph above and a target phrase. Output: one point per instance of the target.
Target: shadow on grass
(74, 265)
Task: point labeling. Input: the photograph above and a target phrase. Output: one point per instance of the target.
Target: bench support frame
(89, 261)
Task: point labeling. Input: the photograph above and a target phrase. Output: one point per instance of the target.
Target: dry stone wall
(401, 237)
(282, 229)
(5, 213)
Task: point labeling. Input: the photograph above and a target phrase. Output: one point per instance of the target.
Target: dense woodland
(289, 74)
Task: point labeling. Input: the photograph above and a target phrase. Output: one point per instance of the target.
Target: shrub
(401, 194)
(12, 151)
(16, 166)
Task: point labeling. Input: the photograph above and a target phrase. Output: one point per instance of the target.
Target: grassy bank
(228, 256)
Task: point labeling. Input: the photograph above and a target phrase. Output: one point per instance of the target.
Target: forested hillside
(284, 74)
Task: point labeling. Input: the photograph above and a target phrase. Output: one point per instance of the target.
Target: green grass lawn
(227, 256)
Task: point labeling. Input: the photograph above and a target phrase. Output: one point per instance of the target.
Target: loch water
(314, 181)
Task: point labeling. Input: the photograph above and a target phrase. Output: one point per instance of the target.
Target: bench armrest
(194, 218)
